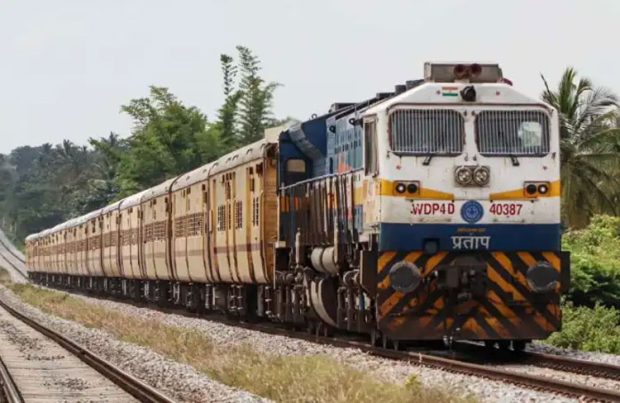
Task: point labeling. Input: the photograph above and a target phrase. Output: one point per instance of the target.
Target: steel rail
(10, 392)
(125, 381)
(575, 365)
(13, 265)
(8, 248)
(17, 269)
(551, 361)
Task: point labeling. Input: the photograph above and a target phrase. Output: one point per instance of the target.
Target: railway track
(555, 362)
(16, 263)
(10, 248)
(25, 379)
(9, 391)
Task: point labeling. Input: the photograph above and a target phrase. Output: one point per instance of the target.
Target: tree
(227, 115)
(167, 140)
(256, 97)
(589, 147)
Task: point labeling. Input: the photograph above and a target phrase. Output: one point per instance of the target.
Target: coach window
(370, 147)
(295, 171)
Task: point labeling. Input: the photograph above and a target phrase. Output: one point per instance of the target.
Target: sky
(66, 66)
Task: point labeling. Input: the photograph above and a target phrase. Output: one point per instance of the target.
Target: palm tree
(589, 147)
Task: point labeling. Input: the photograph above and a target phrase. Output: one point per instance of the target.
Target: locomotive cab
(466, 211)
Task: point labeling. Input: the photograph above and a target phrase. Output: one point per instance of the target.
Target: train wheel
(518, 345)
(504, 344)
(374, 337)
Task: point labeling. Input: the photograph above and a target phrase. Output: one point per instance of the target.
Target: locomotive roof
(431, 93)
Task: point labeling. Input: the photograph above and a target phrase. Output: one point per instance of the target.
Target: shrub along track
(136, 388)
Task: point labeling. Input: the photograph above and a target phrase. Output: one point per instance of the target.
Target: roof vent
(399, 88)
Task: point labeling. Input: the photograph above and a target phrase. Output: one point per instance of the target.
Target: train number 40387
(507, 209)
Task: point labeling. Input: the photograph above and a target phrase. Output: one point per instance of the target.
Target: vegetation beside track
(282, 378)
(595, 258)
(589, 329)
(591, 312)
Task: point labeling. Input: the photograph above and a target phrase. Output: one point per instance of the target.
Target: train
(427, 213)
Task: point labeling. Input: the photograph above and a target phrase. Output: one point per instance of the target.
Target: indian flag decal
(450, 91)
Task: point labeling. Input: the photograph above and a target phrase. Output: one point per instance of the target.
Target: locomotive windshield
(516, 133)
(427, 132)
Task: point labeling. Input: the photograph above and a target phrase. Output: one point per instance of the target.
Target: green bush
(595, 262)
(589, 329)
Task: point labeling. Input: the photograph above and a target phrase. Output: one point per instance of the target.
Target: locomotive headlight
(542, 278)
(530, 189)
(482, 176)
(400, 188)
(412, 188)
(463, 175)
(405, 276)
(543, 188)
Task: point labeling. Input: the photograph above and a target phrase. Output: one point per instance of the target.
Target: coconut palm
(589, 147)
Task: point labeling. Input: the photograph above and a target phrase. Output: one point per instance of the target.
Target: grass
(313, 378)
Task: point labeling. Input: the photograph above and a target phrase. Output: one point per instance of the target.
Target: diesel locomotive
(431, 212)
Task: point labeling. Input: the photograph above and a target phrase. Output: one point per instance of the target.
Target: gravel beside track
(389, 370)
(179, 381)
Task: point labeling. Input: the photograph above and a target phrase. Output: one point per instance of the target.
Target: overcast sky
(67, 65)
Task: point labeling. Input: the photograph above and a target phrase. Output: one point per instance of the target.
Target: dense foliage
(595, 259)
(589, 329)
(45, 185)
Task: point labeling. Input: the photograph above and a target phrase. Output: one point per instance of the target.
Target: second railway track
(39, 364)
